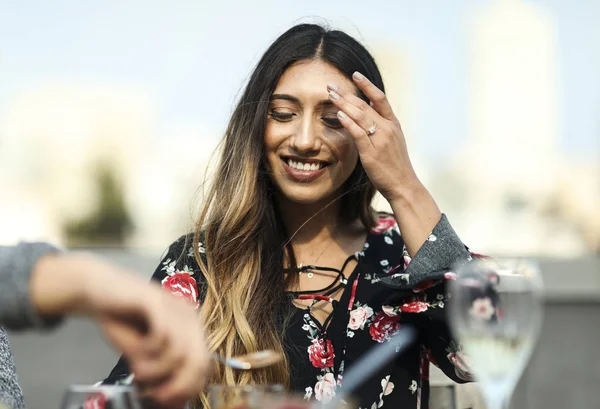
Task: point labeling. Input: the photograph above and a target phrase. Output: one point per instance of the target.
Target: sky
(192, 57)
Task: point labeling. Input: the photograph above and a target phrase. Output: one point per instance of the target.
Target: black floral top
(386, 290)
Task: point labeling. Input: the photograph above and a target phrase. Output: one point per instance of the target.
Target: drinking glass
(100, 397)
(495, 313)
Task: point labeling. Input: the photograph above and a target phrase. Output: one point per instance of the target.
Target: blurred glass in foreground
(496, 315)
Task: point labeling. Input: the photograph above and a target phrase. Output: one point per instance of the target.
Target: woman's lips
(303, 175)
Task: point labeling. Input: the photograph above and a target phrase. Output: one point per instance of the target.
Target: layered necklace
(309, 269)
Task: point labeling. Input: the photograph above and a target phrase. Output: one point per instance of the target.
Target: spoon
(253, 360)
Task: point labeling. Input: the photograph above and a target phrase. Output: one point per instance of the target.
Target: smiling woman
(304, 139)
(288, 254)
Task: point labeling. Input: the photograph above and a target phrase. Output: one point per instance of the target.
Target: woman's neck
(319, 237)
(307, 223)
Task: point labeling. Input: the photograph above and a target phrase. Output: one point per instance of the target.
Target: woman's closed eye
(281, 116)
(332, 121)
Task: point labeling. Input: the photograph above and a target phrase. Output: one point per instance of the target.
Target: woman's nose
(306, 139)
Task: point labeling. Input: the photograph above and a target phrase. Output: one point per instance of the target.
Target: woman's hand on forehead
(377, 133)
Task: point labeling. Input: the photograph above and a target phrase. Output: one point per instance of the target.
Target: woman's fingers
(378, 99)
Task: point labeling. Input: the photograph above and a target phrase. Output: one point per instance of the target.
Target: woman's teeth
(304, 166)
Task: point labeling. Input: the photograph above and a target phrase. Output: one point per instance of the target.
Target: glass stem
(500, 401)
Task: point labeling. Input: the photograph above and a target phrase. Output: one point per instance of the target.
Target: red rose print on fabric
(414, 306)
(321, 354)
(97, 401)
(384, 327)
(325, 388)
(390, 310)
(182, 285)
(359, 317)
(383, 224)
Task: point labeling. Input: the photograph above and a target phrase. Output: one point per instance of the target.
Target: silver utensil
(254, 360)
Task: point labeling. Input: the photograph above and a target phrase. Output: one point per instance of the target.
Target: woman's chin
(305, 198)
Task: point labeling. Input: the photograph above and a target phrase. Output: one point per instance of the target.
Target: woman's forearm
(417, 214)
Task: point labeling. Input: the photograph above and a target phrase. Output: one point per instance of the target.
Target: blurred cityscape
(87, 164)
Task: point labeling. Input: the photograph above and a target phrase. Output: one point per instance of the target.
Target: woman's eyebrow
(286, 97)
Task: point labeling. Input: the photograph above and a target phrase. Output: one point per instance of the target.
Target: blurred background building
(508, 180)
(512, 175)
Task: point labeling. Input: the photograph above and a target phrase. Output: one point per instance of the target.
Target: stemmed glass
(495, 313)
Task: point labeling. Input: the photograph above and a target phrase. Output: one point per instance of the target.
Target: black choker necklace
(310, 268)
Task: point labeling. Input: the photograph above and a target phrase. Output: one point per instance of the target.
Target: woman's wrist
(408, 194)
(417, 214)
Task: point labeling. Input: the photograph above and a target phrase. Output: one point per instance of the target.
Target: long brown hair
(239, 225)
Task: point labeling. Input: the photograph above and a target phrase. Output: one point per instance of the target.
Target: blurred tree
(110, 223)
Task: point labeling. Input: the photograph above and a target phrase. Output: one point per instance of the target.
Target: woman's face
(309, 153)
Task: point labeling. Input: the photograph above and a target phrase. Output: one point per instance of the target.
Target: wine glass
(101, 397)
(495, 313)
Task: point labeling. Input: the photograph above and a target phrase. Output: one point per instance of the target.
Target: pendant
(309, 274)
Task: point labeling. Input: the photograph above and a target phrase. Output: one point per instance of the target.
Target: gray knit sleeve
(16, 266)
(11, 394)
(442, 251)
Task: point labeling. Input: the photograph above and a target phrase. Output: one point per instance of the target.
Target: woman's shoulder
(181, 244)
(181, 253)
(179, 271)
